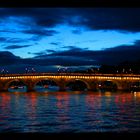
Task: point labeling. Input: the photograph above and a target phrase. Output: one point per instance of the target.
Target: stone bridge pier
(30, 84)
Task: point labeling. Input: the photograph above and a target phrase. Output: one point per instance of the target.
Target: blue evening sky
(81, 36)
(92, 40)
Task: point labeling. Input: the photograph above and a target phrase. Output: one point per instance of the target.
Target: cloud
(3, 39)
(60, 60)
(72, 51)
(84, 56)
(16, 46)
(45, 17)
(74, 48)
(120, 54)
(6, 31)
(121, 19)
(50, 51)
(40, 32)
(7, 54)
(55, 43)
(16, 40)
(7, 58)
(76, 31)
(11, 40)
(75, 56)
(39, 53)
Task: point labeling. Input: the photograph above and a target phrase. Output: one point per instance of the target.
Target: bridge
(92, 81)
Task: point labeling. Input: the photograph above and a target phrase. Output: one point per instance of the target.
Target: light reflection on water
(55, 112)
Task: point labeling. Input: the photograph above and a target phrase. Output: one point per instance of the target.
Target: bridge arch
(41, 82)
(75, 81)
(108, 85)
(45, 79)
(134, 86)
(6, 85)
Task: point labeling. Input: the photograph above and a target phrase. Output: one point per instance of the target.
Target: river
(74, 112)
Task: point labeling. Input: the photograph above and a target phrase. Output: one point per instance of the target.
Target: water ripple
(69, 112)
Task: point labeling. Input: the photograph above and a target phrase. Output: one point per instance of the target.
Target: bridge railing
(69, 74)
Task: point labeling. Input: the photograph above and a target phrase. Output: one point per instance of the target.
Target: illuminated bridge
(91, 81)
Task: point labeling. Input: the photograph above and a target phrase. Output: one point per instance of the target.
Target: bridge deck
(71, 75)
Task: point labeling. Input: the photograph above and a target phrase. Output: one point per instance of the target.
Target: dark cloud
(7, 58)
(7, 54)
(47, 17)
(12, 40)
(72, 51)
(7, 31)
(16, 40)
(50, 51)
(40, 32)
(121, 19)
(111, 56)
(16, 46)
(59, 60)
(76, 57)
(121, 53)
(55, 43)
(79, 57)
(3, 39)
(40, 53)
(77, 31)
(74, 48)
(135, 47)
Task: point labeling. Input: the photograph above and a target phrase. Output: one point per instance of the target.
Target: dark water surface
(55, 112)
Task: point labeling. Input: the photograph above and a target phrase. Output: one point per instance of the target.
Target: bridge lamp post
(66, 69)
(130, 70)
(92, 70)
(123, 70)
(58, 70)
(33, 70)
(98, 70)
(3, 71)
(26, 70)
